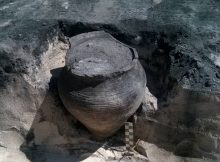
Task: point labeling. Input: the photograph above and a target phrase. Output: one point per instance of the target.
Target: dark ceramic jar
(103, 82)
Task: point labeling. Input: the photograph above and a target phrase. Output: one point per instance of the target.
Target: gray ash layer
(191, 28)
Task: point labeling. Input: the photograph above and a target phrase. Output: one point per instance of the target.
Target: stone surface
(149, 105)
(187, 126)
(157, 154)
(10, 142)
(178, 44)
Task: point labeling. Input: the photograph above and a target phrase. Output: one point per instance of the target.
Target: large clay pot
(103, 83)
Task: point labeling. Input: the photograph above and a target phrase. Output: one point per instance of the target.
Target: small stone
(217, 75)
(149, 104)
(157, 1)
(137, 40)
(141, 148)
(184, 148)
(208, 83)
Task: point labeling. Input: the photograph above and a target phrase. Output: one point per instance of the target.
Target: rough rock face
(178, 43)
(188, 126)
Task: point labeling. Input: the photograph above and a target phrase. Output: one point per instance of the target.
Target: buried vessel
(103, 82)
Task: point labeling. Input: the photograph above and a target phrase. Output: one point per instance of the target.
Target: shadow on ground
(56, 136)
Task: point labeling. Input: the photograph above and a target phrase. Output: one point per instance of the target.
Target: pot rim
(84, 37)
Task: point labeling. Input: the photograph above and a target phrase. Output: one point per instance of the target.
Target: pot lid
(97, 54)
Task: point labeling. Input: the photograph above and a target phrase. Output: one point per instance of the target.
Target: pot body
(103, 104)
